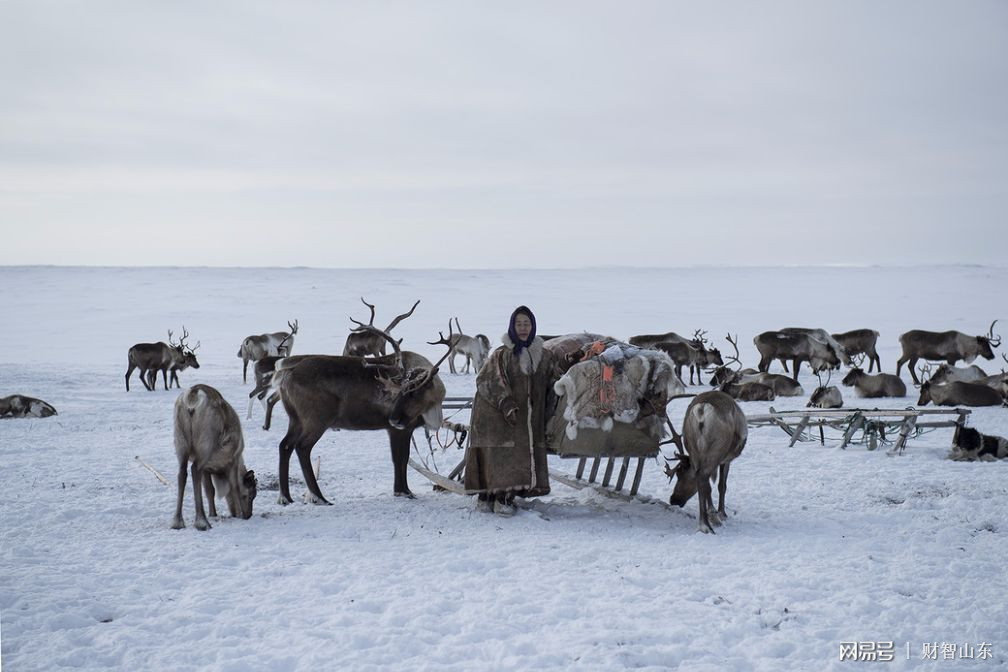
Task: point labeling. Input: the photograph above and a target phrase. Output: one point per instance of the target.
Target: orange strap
(607, 390)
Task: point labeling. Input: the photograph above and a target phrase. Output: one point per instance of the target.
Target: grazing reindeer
(277, 344)
(368, 342)
(396, 393)
(860, 342)
(208, 434)
(150, 358)
(798, 347)
(474, 348)
(947, 346)
(826, 395)
(20, 406)
(714, 432)
(958, 393)
(873, 387)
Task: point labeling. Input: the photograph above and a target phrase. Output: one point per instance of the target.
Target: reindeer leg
(877, 361)
(143, 379)
(197, 480)
(913, 370)
(286, 448)
(304, 457)
(244, 370)
(174, 379)
(270, 403)
(129, 372)
(164, 377)
(722, 487)
(177, 522)
(211, 494)
(399, 441)
(900, 362)
(704, 495)
(797, 365)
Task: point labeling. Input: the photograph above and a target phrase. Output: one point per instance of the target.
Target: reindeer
(873, 387)
(826, 395)
(750, 385)
(692, 352)
(277, 344)
(947, 346)
(798, 347)
(150, 358)
(958, 393)
(367, 342)
(20, 406)
(208, 434)
(397, 393)
(860, 341)
(475, 348)
(714, 433)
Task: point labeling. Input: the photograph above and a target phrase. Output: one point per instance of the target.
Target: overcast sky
(477, 134)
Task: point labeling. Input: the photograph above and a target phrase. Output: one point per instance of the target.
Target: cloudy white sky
(469, 134)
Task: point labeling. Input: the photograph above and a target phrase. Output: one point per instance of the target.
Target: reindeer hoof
(284, 501)
(178, 524)
(407, 494)
(309, 498)
(202, 524)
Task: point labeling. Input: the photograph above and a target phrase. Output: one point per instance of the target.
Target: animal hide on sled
(616, 386)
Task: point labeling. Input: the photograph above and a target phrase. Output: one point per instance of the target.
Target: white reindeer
(277, 344)
(208, 434)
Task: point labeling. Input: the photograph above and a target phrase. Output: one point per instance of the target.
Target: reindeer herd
(825, 352)
(366, 389)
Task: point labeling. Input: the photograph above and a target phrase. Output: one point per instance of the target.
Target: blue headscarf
(513, 335)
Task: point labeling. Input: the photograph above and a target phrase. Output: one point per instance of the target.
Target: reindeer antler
(858, 360)
(698, 336)
(371, 306)
(402, 317)
(735, 357)
(924, 372)
(170, 341)
(375, 330)
(293, 327)
(990, 336)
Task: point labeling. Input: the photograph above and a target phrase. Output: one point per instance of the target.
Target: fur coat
(508, 456)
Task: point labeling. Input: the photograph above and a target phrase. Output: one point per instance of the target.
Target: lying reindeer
(874, 387)
(958, 393)
(714, 434)
(208, 433)
(20, 406)
(969, 444)
(826, 395)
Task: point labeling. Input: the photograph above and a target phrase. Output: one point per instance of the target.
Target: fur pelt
(637, 374)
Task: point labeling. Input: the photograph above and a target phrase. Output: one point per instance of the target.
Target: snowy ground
(824, 546)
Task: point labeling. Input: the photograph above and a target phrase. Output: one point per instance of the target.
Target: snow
(823, 546)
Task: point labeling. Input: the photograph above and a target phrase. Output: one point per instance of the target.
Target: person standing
(507, 450)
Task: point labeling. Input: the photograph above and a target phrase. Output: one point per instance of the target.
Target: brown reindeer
(397, 393)
(947, 346)
(369, 342)
(208, 434)
(150, 358)
(958, 393)
(714, 434)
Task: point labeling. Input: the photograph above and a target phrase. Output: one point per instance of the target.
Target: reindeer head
(925, 386)
(685, 477)
(408, 390)
(184, 356)
(240, 502)
(853, 376)
(989, 342)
